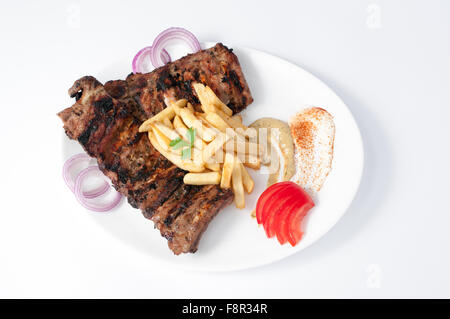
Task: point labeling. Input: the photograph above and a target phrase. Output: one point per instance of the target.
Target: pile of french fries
(222, 147)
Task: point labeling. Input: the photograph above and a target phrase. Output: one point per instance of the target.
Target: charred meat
(105, 121)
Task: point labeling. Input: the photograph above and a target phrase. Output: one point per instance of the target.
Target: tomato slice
(281, 224)
(294, 222)
(273, 206)
(281, 209)
(279, 201)
(266, 196)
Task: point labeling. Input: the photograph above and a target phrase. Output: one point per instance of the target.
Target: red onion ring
(141, 61)
(76, 159)
(89, 204)
(167, 36)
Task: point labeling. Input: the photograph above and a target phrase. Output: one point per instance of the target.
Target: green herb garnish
(175, 141)
(186, 153)
(186, 146)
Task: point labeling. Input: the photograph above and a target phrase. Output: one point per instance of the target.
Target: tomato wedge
(281, 226)
(277, 206)
(281, 209)
(294, 221)
(296, 216)
(274, 201)
(265, 196)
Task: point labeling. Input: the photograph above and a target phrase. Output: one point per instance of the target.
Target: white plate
(233, 240)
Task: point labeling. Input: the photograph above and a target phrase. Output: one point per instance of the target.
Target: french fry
(208, 108)
(215, 146)
(215, 120)
(186, 165)
(190, 107)
(199, 89)
(213, 166)
(181, 103)
(209, 178)
(200, 144)
(236, 184)
(232, 122)
(202, 116)
(168, 112)
(209, 99)
(242, 147)
(167, 131)
(252, 148)
(237, 117)
(178, 106)
(178, 123)
(213, 99)
(203, 96)
(227, 171)
(251, 161)
(167, 122)
(230, 146)
(247, 180)
(190, 120)
(163, 140)
(197, 155)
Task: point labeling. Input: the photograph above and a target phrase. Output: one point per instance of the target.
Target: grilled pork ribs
(105, 121)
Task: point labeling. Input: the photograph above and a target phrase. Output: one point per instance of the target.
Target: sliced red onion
(68, 165)
(89, 204)
(97, 192)
(169, 35)
(142, 62)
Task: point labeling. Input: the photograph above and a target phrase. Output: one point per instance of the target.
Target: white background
(387, 60)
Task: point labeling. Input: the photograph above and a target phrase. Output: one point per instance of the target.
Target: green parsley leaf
(180, 144)
(186, 153)
(175, 141)
(190, 135)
